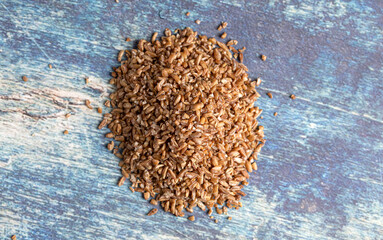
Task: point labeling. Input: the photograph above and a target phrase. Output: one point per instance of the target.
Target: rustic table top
(320, 173)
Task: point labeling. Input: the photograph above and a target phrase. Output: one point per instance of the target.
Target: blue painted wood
(320, 173)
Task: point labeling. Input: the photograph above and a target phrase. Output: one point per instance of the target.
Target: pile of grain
(184, 116)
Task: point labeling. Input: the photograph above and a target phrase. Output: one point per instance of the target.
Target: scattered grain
(219, 210)
(229, 218)
(254, 165)
(25, 79)
(232, 42)
(222, 26)
(191, 218)
(241, 57)
(188, 14)
(216, 220)
(269, 95)
(275, 114)
(66, 132)
(154, 37)
(292, 96)
(248, 166)
(224, 210)
(224, 35)
(258, 82)
(189, 210)
(13, 237)
(102, 124)
(99, 110)
(242, 49)
(263, 57)
(107, 103)
(146, 195)
(50, 66)
(210, 211)
(68, 115)
(109, 135)
(153, 202)
(110, 146)
(128, 39)
(86, 80)
(153, 211)
(87, 103)
(120, 55)
(121, 181)
(198, 21)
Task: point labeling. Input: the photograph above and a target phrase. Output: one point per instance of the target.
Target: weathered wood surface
(320, 173)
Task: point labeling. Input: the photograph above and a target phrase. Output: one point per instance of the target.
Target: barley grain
(254, 166)
(121, 181)
(153, 211)
(146, 195)
(109, 135)
(184, 116)
(120, 55)
(223, 25)
(110, 146)
(87, 103)
(154, 37)
(258, 81)
(263, 57)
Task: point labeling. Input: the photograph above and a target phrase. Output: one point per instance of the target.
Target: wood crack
(34, 116)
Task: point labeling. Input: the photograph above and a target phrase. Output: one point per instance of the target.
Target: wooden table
(320, 173)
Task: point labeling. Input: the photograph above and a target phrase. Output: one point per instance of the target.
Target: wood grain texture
(320, 173)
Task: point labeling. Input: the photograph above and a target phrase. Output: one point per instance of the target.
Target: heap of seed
(183, 112)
